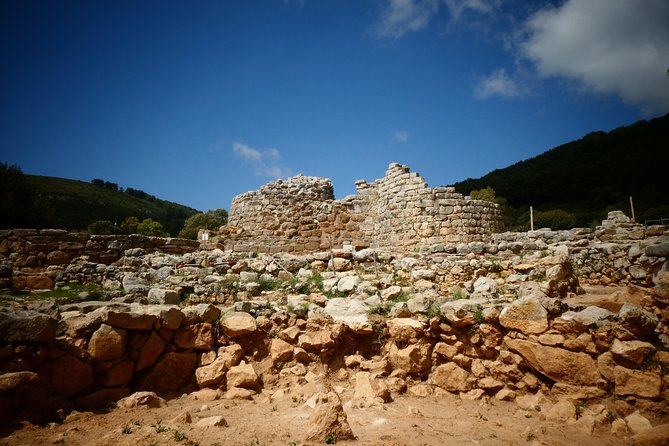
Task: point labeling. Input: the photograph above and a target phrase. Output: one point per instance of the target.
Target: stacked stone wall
(398, 211)
(32, 258)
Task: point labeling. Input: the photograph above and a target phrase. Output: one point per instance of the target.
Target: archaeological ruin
(318, 309)
(396, 212)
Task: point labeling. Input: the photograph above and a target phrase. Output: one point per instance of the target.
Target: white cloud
(401, 136)
(459, 7)
(399, 17)
(618, 47)
(497, 83)
(263, 162)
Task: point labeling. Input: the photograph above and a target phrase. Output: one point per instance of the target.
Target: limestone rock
(243, 376)
(637, 423)
(70, 375)
(526, 315)
(149, 351)
(128, 318)
(590, 316)
(11, 381)
(20, 326)
(316, 340)
(391, 292)
(350, 312)
(484, 286)
(137, 399)
(556, 363)
(329, 421)
(238, 324)
(451, 377)
(170, 372)
(107, 343)
(634, 352)
(164, 296)
(404, 329)
(637, 320)
(637, 382)
(368, 389)
(280, 351)
(414, 358)
(655, 436)
(213, 421)
(348, 284)
(212, 374)
(135, 284)
(563, 410)
(195, 336)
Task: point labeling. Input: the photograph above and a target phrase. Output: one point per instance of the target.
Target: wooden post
(531, 219)
(632, 208)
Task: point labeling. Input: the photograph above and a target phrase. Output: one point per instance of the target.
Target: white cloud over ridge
(616, 47)
(263, 162)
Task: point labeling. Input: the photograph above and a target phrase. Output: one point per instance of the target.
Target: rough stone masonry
(399, 210)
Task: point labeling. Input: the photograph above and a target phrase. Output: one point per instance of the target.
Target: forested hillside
(30, 201)
(590, 176)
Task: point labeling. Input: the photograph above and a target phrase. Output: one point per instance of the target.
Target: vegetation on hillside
(211, 220)
(585, 179)
(30, 201)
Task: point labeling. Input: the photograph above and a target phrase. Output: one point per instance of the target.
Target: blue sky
(196, 102)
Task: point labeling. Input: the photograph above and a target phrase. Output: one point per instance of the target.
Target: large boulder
(556, 363)
(21, 326)
(415, 358)
(452, 377)
(350, 312)
(243, 376)
(107, 343)
(70, 375)
(637, 382)
(172, 371)
(212, 374)
(404, 329)
(525, 315)
(195, 336)
(238, 324)
(329, 423)
(164, 296)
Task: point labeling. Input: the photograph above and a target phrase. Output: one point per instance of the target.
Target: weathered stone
(350, 312)
(164, 296)
(213, 421)
(280, 351)
(135, 284)
(348, 284)
(243, 376)
(238, 324)
(637, 320)
(107, 343)
(170, 372)
(637, 423)
(214, 373)
(128, 319)
(526, 315)
(329, 419)
(414, 358)
(368, 389)
(149, 351)
(634, 352)
(137, 399)
(196, 336)
(391, 292)
(463, 312)
(404, 329)
(70, 375)
(316, 340)
(119, 374)
(590, 316)
(637, 382)
(556, 363)
(11, 381)
(20, 326)
(655, 436)
(451, 377)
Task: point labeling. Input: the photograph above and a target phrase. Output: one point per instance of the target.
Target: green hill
(49, 202)
(590, 176)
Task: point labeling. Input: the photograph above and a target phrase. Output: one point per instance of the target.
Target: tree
(211, 220)
(129, 225)
(102, 227)
(17, 197)
(148, 226)
(556, 219)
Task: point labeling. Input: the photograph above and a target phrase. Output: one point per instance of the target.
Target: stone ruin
(397, 212)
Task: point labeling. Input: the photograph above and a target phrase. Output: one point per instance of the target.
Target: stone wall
(398, 211)
(32, 259)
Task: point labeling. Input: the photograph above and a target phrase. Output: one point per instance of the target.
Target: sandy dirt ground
(408, 420)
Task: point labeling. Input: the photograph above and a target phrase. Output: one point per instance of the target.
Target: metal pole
(531, 219)
(632, 208)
